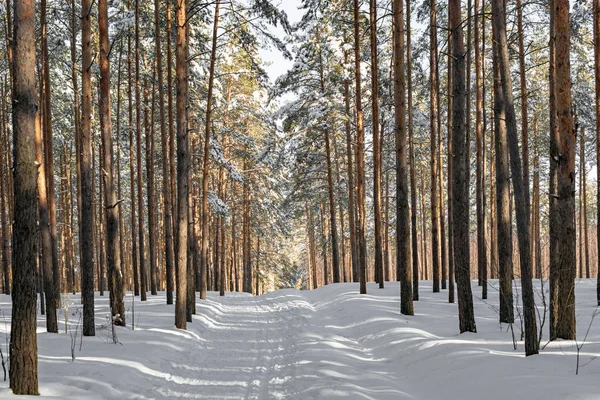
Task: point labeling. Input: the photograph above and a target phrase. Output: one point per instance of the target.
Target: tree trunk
(482, 75)
(435, 247)
(182, 166)
(43, 207)
(413, 183)
(503, 214)
(335, 256)
(49, 159)
(87, 218)
(23, 341)
(564, 267)
(324, 244)
(113, 250)
(360, 161)
(523, 88)
(206, 158)
(460, 179)
(580, 201)
(597, 86)
(450, 176)
(521, 193)
(376, 144)
(443, 235)
(4, 199)
(553, 185)
(386, 237)
(172, 133)
(536, 251)
(150, 183)
(76, 118)
(343, 267)
(402, 213)
(480, 172)
(424, 230)
(132, 180)
(351, 197)
(138, 135)
(99, 215)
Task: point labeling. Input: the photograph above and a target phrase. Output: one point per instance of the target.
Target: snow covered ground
(322, 344)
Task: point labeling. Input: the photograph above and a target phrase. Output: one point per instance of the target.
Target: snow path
(331, 343)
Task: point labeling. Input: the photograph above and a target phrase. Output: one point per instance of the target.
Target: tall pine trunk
(413, 183)
(503, 214)
(49, 159)
(206, 157)
(138, 136)
(46, 257)
(23, 340)
(360, 161)
(86, 235)
(597, 86)
(350, 170)
(182, 165)
(433, 113)
(150, 183)
(564, 267)
(480, 169)
(402, 213)
(164, 144)
(376, 144)
(460, 179)
(113, 250)
(521, 193)
(134, 253)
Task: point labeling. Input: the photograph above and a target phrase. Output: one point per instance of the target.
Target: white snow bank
(327, 343)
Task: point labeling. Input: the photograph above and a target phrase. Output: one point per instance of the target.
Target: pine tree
(460, 181)
(23, 339)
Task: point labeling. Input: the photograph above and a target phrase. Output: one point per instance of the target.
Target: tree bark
(597, 87)
(450, 164)
(4, 199)
(113, 250)
(49, 159)
(182, 165)
(376, 144)
(460, 179)
(503, 214)
(23, 340)
(586, 248)
(413, 183)
(350, 170)
(360, 161)
(324, 245)
(46, 259)
(87, 218)
(138, 136)
(164, 141)
(206, 158)
(523, 91)
(536, 251)
(521, 193)
(402, 213)
(335, 255)
(433, 112)
(564, 321)
(132, 179)
(150, 183)
(480, 172)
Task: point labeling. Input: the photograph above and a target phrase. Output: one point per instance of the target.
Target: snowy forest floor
(327, 343)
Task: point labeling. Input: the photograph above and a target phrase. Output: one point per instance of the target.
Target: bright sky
(278, 64)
